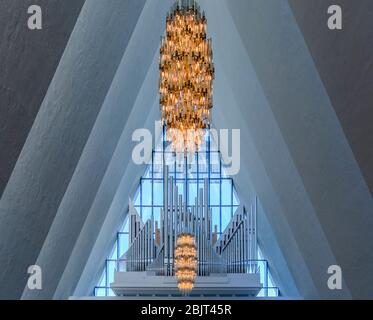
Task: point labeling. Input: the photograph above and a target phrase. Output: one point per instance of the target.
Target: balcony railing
(250, 266)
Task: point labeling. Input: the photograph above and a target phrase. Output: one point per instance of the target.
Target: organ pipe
(233, 251)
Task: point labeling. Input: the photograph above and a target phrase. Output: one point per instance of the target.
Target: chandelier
(185, 262)
(186, 76)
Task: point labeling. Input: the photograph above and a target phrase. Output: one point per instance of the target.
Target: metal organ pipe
(231, 252)
(237, 245)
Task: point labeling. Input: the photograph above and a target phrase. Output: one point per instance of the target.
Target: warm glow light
(185, 262)
(186, 76)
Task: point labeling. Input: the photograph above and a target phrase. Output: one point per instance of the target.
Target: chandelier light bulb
(185, 262)
(186, 77)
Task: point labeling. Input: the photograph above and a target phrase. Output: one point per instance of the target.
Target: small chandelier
(185, 262)
(186, 76)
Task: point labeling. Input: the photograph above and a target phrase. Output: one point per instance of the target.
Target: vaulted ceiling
(73, 93)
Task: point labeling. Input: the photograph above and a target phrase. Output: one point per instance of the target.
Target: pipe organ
(152, 246)
(176, 219)
(237, 245)
(142, 250)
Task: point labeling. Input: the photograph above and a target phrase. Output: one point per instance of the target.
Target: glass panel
(180, 189)
(215, 164)
(147, 172)
(216, 218)
(226, 214)
(180, 167)
(170, 162)
(192, 192)
(100, 292)
(123, 243)
(146, 213)
(235, 209)
(102, 282)
(226, 192)
(111, 267)
(146, 192)
(192, 166)
(158, 192)
(157, 215)
(158, 165)
(125, 226)
(137, 197)
(114, 252)
(235, 198)
(214, 192)
(202, 165)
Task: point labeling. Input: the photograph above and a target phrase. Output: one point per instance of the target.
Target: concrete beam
(343, 59)
(59, 134)
(28, 61)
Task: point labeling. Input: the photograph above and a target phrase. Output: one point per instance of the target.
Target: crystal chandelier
(185, 262)
(186, 76)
